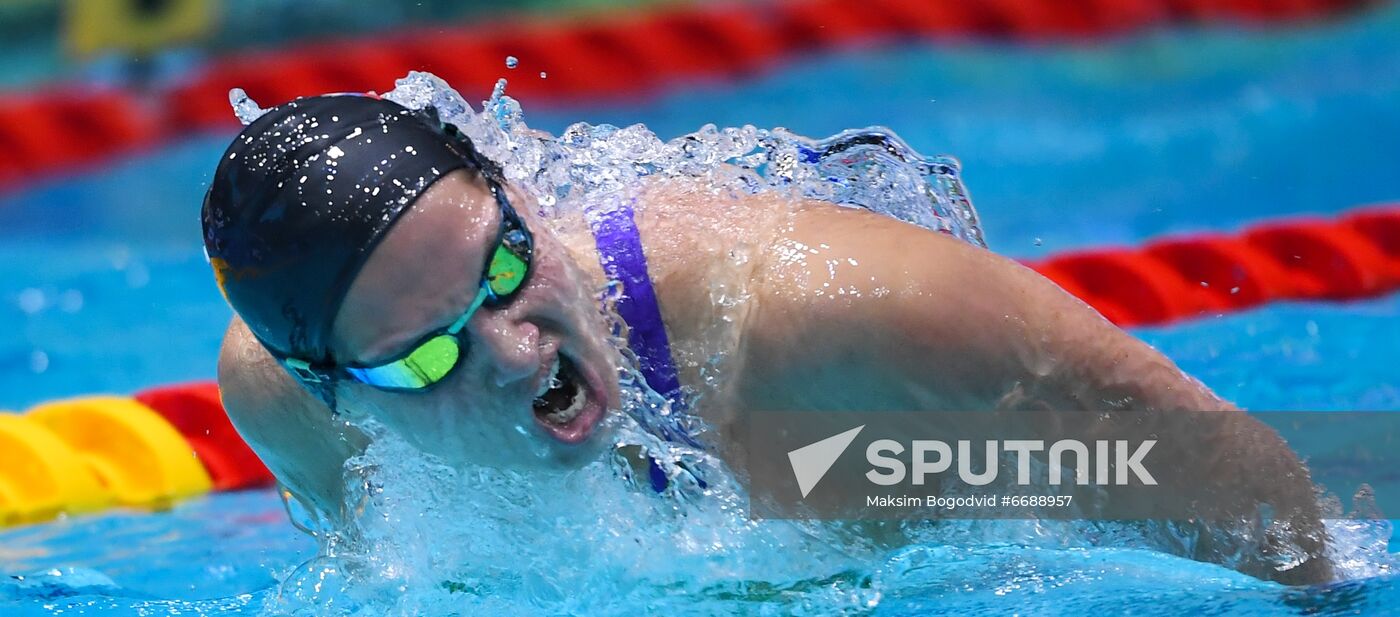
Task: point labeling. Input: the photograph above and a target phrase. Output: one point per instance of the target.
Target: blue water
(104, 288)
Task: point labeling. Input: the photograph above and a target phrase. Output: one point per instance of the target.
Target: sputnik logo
(811, 462)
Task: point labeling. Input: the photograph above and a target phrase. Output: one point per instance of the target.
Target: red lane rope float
(196, 411)
(42, 133)
(1356, 256)
(623, 54)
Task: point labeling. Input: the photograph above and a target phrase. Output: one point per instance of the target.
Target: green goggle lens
(426, 365)
(507, 271)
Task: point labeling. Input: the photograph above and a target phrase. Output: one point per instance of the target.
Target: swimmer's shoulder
(693, 213)
(857, 310)
(250, 380)
(294, 434)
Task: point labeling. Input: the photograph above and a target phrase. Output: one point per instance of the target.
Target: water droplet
(512, 62)
(245, 108)
(32, 301)
(38, 361)
(543, 75)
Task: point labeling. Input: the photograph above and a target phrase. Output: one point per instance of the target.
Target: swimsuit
(620, 254)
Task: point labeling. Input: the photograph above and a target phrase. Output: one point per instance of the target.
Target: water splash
(589, 164)
(421, 537)
(244, 107)
(426, 538)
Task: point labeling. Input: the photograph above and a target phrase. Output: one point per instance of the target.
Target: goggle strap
(317, 381)
(303, 370)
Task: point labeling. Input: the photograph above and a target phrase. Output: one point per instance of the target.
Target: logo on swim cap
(221, 269)
(223, 272)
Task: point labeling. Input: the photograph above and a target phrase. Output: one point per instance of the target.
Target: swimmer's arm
(851, 293)
(926, 322)
(289, 429)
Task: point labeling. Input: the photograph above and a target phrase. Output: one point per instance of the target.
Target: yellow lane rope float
(40, 476)
(132, 451)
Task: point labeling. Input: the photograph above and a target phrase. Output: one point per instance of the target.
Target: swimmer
(380, 266)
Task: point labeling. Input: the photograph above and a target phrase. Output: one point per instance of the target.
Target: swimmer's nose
(510, 346)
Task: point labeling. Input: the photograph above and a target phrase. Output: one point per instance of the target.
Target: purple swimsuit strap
(620, 253)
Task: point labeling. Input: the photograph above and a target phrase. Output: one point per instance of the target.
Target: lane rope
(586, 58)
(173, 442)
(1169, 279)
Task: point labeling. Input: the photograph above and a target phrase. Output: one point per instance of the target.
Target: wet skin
(841, 309)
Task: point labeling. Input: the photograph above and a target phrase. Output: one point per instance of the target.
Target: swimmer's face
(497, 407)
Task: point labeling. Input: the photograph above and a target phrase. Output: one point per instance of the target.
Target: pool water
(105, 288)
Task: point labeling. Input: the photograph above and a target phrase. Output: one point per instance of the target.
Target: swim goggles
(437, 354)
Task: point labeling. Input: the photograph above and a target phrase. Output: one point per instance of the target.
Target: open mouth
(566, 405)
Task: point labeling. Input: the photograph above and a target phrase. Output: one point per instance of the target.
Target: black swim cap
(302, 197)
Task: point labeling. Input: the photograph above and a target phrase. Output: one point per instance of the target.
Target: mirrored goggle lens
(507, 271)
(425, 366)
